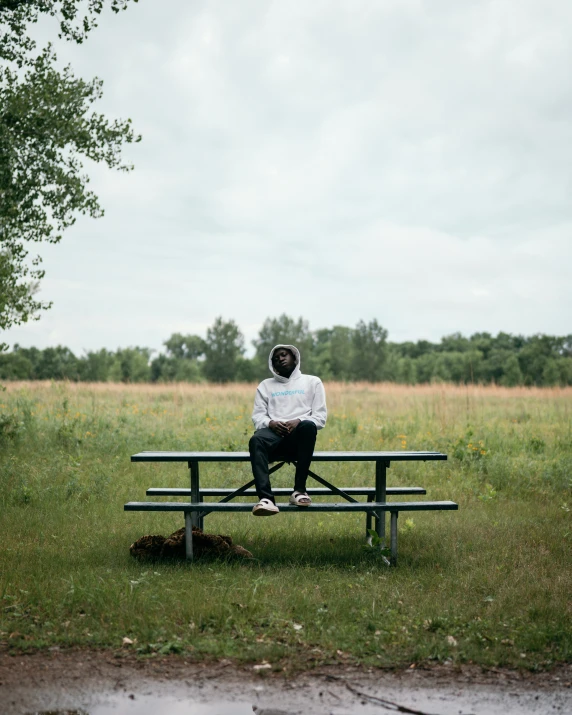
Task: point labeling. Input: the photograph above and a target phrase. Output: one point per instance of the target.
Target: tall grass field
(490, 584)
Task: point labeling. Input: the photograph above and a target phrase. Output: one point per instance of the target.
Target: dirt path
(100, 682)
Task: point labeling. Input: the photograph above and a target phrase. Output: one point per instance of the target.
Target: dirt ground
(101, 682)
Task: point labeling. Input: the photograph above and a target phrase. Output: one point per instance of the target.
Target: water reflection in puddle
(151, 705)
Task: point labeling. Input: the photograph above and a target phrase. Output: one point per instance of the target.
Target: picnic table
(375, 506)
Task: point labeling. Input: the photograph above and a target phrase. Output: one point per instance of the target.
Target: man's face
(283, 362)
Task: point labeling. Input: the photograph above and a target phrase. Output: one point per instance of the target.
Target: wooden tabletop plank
(279, 491)
(317, 457)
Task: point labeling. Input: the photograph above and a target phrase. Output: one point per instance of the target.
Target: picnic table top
(317, 457)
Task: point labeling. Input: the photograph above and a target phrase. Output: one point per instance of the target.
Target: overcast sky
(404, 160)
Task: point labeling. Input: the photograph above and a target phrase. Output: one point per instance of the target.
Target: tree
(566, 348)
(495, 366)
(370, 351)
(16, 298)
(181, 363)
(131, 365)
(76, 21)
(95, 365)
(512, 372)
(483, 342)
(247, 370)
(224, 347)
(454, 343)
(57, 363)
(425, 366)
(288, 331)
(565, 369)
(333, 353)
(185, 347)
(537, 350)
(47, 127)
(550, 373)
(406, 371)
(15, 366)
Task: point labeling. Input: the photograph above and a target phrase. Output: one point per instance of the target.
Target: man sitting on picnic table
(289, 409)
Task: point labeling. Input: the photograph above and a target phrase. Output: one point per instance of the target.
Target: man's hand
(291, 425)
(282, 429)
(278, 428)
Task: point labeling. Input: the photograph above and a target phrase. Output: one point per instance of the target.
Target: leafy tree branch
(48, 127)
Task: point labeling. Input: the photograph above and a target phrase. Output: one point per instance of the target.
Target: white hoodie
(298, 397)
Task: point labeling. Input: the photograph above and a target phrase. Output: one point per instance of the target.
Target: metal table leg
(380, 496)
(188, 536)
(192, 518)
(368, 521)
(393, 538)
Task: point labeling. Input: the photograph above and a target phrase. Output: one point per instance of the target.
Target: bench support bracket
(327, 484)
(238, 492)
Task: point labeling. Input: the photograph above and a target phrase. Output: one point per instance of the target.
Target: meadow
(490, 584)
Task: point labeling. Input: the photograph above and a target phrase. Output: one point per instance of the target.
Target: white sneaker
(265, 508)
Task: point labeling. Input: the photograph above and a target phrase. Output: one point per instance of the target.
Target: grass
(490, 584)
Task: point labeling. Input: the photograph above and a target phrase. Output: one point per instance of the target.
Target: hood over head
(296, 370)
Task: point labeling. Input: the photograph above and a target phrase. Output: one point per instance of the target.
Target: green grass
(490, 583)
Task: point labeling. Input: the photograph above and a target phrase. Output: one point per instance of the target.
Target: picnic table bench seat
(376, 505)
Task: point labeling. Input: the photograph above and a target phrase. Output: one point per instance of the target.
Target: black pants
(266, 446)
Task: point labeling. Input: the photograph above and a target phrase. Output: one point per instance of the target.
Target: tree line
(338, 353)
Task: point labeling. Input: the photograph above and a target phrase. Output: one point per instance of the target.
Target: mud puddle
(311, 697)
(97, 683)
(152, 705)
